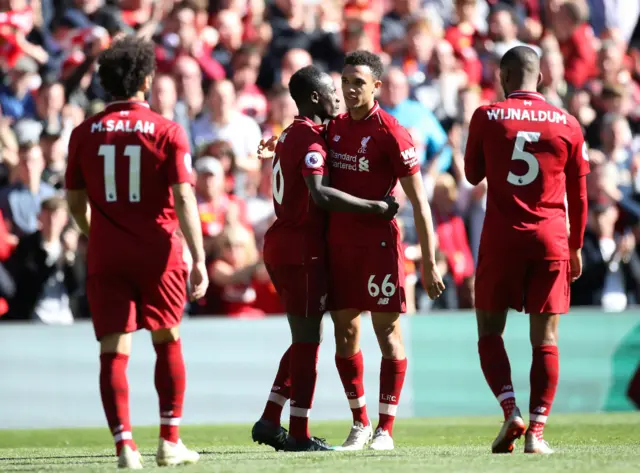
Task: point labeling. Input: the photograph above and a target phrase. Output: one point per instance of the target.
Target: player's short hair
(521, 58)
(53, 203)
(303, 82)
(366, 58)
(125, 65)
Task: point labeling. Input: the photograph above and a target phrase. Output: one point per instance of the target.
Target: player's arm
(187, 210)
(474, 169)
(79, 209)
(576, 181)
(77, 198)
(407, 168)
(334, 200)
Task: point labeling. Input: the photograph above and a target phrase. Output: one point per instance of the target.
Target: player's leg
(547, 296)
(113, 313)
(350, 365)
(543, 378)
(306, 335)
(393, 368)
(267, 430)
(497, 283)
(162, 305)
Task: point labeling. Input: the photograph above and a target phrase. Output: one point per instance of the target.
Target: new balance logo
(540, 410)
(383, 301)
(275, 388)
(363, 165)
(507, 388)
(388, 397)
(336, 138)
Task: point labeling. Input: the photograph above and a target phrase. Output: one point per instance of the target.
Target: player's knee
(490, 323)
(165, 335)
(389, 335)
(116, 343)
(306, 329)
(544, 329)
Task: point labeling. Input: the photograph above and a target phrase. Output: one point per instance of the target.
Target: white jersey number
(388, 289)
(520, 154)
(108, 152)
(278, 183)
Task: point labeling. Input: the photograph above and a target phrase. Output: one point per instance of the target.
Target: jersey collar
(526, 95)
(128, 104)
(304, 120)
(374, 110)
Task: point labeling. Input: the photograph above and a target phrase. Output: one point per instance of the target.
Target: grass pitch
(584, 443)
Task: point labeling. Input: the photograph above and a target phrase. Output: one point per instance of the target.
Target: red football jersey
(299, 230)
(527, 149)
(367, 158)
(127, 158)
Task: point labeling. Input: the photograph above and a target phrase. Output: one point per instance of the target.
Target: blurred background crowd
(223, 69)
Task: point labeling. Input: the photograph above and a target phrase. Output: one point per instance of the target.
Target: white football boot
(358, 438)
(511, 430)
(172, 454)
(381, 440)
(534, 445)
(129, 458)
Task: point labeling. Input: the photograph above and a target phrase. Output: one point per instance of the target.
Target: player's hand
(432, 280)
(199, 281)
(575, 260)
(267, 148)
(389, 207)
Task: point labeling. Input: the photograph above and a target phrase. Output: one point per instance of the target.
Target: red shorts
(302, 288)
(122, 303)
(367, 278)
(540, 286)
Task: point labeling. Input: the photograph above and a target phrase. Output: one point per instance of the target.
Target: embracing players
(296, 257)
(128, 185)
(369, 153)
(532, 155)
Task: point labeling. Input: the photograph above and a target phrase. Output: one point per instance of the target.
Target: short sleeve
(402, 152)
(179, 163)
(73, 179)
(474, 166)
(578, 162)
(315, 156)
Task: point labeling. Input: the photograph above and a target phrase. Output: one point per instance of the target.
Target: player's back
(299, 230)
(529, 147)
(124, 156)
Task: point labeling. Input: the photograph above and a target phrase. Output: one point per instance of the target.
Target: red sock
(497, 371)
(544, 381)
(633, 392)
(392, 374)
(279, 391)
(304, 361)
(351, 371)
(114, 390)
(170, 380)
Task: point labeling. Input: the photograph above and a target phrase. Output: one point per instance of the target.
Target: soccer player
(129, 189)
(370, 153)
(295, 253)
(532, 155)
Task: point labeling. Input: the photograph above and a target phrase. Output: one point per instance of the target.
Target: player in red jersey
(532, 155)
(370, 153)
(295, 253)
(129, 190)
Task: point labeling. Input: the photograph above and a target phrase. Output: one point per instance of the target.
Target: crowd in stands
(222, 72)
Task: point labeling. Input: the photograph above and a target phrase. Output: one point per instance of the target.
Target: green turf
(584, 443)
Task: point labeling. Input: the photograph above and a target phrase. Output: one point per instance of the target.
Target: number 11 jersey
(127, 158)
(528, 150)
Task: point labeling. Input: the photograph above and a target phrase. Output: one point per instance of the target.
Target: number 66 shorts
(367, 278)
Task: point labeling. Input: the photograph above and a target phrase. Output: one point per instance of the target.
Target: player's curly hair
(303, 82)
(125, 65)
(366, 58)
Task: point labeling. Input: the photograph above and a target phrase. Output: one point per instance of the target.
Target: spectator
(251, 100)
(16, 99)
(223, 121)
(164, 100)
(429, 136)
(554, 86)
(54, 151)
(42, 267)
(230, 28)
(189, 83)
(20, 202)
